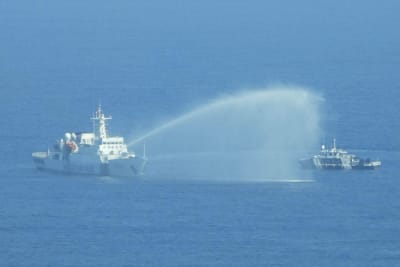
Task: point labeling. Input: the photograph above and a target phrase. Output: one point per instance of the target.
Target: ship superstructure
(94, 152)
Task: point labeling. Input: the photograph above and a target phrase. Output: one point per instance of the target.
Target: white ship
(335, 158)
(94, 153)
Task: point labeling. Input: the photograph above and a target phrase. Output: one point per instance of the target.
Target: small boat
(95, 153)
(334, 158)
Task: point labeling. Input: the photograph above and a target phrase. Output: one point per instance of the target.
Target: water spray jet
(257, 133)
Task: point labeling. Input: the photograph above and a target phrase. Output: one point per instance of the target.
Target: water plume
(251, 135)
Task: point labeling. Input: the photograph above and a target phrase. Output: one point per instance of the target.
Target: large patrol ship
(335, 158)
(94, 153)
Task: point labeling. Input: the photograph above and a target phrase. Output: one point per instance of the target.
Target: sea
(150, 62)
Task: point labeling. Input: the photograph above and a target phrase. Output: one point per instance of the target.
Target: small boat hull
(337, 159)
(370, 165)
(307, 163)
(338, 164)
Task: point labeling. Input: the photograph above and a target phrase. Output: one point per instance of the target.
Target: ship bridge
(116, 140)
(113, 146)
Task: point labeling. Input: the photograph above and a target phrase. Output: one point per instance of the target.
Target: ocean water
(149, 63)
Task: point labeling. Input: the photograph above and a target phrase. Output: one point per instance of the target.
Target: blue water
(148, 63)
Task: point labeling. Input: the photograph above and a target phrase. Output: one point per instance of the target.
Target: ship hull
(307, 163)
(337, 159)
(128, 167)
(324, 164)
(367, 165)
(317, 163)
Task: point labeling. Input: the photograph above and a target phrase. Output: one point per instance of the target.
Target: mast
(101, 118)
